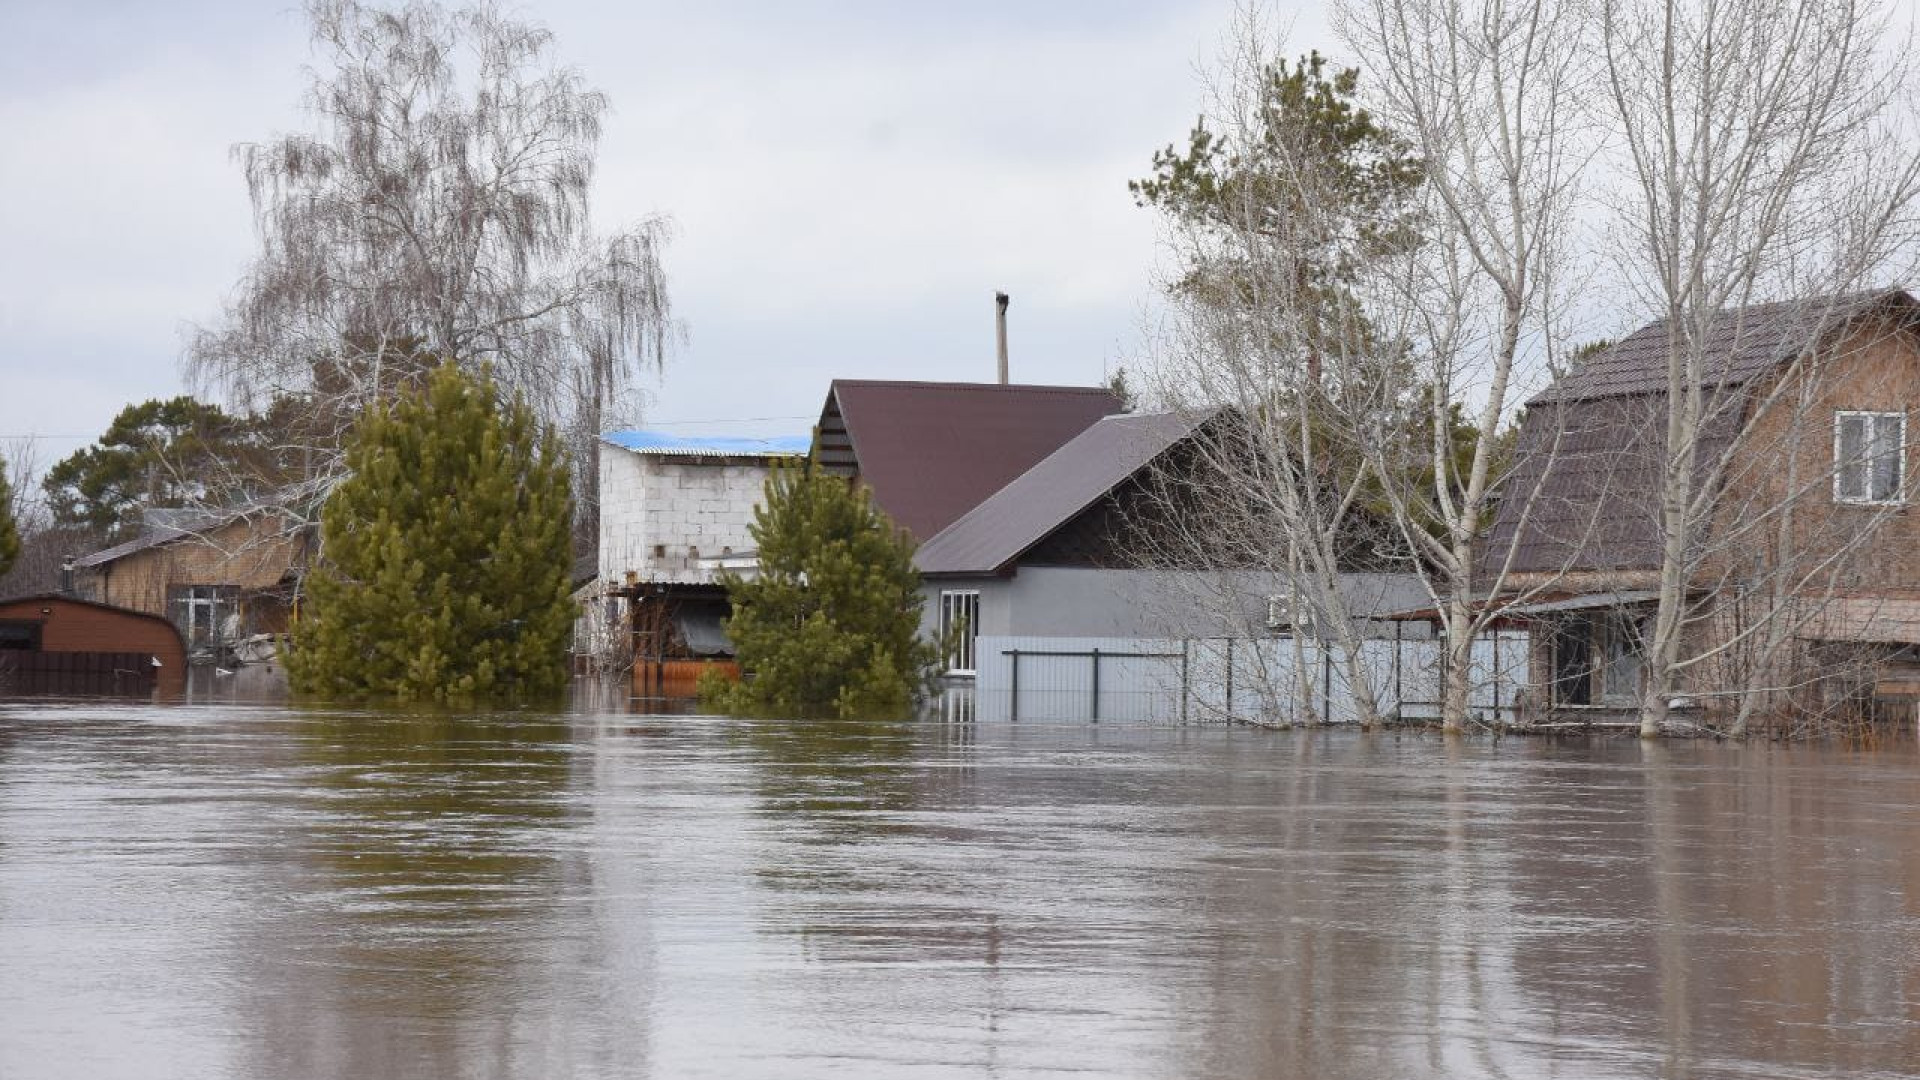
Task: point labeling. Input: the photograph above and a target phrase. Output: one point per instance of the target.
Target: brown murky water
(261, 892)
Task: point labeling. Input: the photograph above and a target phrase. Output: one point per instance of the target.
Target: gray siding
(1044, 601)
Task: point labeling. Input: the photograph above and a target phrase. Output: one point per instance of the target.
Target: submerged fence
(1199, 680)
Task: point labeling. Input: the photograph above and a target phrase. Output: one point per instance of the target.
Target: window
(206, 614)
(960, 626)
(1869, 457)
(20, 634)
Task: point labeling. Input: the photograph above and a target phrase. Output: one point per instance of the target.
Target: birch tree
(437, 210)
(1763, 162)
(1489, 95)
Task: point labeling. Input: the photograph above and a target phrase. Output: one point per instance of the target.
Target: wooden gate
(80, 674)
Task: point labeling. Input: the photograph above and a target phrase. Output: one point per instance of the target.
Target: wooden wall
(69, 625)
(249, 555)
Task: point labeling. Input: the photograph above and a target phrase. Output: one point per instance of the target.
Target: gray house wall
(1051, 601)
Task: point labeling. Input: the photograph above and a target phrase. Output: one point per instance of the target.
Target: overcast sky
(849, 183)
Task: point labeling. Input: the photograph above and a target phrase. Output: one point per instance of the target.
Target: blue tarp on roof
(660, 442)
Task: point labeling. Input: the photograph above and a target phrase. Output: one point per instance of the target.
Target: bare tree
(1489, 95)
(438, 210)
(1288, 192)
(1761, 162)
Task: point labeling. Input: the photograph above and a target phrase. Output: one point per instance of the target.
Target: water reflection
(421, 878)
(265, 892)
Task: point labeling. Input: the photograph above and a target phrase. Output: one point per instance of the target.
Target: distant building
(670, 505)
(221, 578)
(674, 512)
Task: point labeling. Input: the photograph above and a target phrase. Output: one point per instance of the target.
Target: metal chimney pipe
(1000, 302)
(66, 576)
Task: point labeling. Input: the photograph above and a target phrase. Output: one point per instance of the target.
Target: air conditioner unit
(1286, 614)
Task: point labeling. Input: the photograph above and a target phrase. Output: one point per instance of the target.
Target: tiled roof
(1737, 346)
(993, 534)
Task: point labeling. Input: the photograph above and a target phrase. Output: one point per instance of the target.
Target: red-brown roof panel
(930, 451)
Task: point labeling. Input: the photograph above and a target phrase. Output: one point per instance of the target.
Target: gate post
(1096, 685)
(1185, 644)
(1013, 705)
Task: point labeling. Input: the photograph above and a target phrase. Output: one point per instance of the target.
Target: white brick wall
(680, 504)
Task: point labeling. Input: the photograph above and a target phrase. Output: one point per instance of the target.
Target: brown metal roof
(930, 451)
(1015, 518)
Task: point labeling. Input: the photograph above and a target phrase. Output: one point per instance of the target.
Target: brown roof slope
(1740, 345)
(1015, 518)
(1589, 455)
(930, 452)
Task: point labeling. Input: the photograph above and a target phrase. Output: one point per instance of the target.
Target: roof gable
(929, 452)
(1584, 490)
(988, 538)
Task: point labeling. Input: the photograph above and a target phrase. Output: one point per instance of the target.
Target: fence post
(1326, 683)
(1496, 680)
(1399, 696)
(1013, 706)
(1096, 685)
(1229, 679)
(1185, 644)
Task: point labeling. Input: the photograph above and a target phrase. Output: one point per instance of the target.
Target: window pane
(1850, 449)
(1886, 457)
(960, 611)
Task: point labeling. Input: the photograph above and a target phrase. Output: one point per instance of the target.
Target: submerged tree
(446, 555)
(9, 530)
(439, 207)
(829, 626)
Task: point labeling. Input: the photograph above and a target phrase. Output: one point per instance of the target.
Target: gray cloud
(849, 182)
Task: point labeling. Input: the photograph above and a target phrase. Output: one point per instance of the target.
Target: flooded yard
(248, 891)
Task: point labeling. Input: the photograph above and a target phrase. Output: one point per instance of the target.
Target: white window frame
(956, 604)
(1841, 465)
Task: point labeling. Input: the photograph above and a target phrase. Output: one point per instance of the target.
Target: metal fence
(1199, 680)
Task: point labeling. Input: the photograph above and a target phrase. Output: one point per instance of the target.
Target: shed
(61, 644)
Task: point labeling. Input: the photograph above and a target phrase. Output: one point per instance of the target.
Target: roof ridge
(1044, 388)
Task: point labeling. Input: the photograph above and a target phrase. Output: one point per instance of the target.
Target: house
(674, 513)
(222, 577)
(62, 644)
(930, 451)
(1808, 564)
(1058, 552)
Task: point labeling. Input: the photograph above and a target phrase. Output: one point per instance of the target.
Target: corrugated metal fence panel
(1203, 680)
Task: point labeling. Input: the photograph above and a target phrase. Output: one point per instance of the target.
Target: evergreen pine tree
(9, 531)
(830, 624)
(446, 555)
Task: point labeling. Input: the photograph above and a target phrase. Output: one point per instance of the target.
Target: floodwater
(263, 892)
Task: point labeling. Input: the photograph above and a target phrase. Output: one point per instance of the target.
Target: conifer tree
(446, 555)
(829, 627)
(9, 531)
